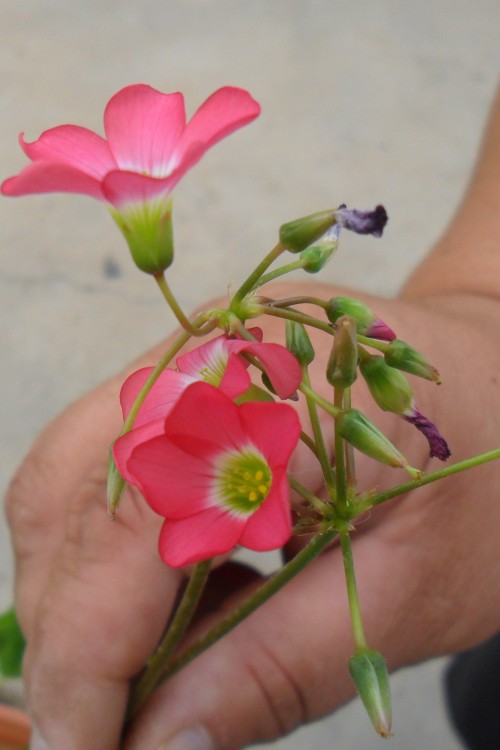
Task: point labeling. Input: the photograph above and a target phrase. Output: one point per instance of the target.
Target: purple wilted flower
(437, 444)
(362, 222)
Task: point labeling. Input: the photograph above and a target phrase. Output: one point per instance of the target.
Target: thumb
(283, 666)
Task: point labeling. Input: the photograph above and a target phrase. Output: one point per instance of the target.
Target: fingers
(285, 665)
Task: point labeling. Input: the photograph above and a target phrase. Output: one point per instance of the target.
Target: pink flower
(148, 148)
(218, 362)
(217, 473)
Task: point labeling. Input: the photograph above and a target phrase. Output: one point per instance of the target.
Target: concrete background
(362, 103)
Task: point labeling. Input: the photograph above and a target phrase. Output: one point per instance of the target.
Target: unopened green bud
(342, 368)
(369, 672)
(363, 435)
(149, 234)
(338, 306)
(298, 342)
(404, 357)
(388, 386)
(115, 486)
(316, 256)
(298, 234)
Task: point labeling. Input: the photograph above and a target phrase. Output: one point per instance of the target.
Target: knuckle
(26, 506)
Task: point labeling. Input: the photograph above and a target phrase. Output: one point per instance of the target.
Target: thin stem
(299, 300)
(265, 592)
(381, 346)
(294, 315)
(309, 442)
(192, 329)
(323, 456)
(316, 502)
(448, 471)
(350, 464)
(326, 405)
(352, 592)
(281, 271)
(254, 277)
(340, 468)
(172, 638)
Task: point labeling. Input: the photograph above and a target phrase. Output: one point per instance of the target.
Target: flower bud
(369, 672)
(402, 356)
(367, 322)
(342, 368)
(363, 435)
(115, 486)
(389, 387)
(362, 222)
(298, 342)
(149, 234)
(316, 256)
(298, 234)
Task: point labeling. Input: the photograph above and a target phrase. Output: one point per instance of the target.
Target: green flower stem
(309, 442)
(184, 321)
(352, 593)
(294, 315)
(300, 300)
(350, 464)
(172, 638)
(448, 471)
(254, 277)
(265, 592)
(340, 467)
(281, 271)
(381, 346)
(326, 405)
(316, 502)
(323, 456)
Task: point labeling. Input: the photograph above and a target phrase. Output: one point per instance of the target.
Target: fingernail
(37, 742)
(191, 738)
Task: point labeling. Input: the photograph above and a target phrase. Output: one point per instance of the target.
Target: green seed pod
(298, 342)
(298, 234)
(363, 435)
(369, 672)
(402, 356)
(388, 386)
(342, 368)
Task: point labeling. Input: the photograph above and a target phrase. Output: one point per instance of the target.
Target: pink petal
(281, 366)
(273, 428)
(216, 357)
(161, 398)
(199, 537)
(205, 422)
(143, 127)
(221, 114)
(51, 177)
(74, 146)
(121, 188)
(270, 526)
(236, 379)
(125, 444)
(174, 483)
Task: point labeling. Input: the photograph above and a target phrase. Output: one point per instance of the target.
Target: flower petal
(72, 145)
(52, 177)
(221, 114)
(216, 363)
(270, 526)
(273, 428)
(127, 443)
(174, 483)
(143, 127)
(121, 188)
(199, 537)
(281, 366)
(161, 398)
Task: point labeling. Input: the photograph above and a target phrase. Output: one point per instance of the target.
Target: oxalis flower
(218, 362)
(217, 474)
(147, 149)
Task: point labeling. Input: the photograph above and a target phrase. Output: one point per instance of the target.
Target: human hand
(93, 597)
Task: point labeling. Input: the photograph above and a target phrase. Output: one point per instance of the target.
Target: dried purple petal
(362, 222)
(437, 444)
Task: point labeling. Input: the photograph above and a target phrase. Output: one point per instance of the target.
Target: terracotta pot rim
(15, 727)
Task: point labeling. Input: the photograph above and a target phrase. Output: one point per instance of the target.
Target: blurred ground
(362, 103)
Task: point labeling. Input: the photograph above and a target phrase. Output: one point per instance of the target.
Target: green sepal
(339, 306)
(389, 387)
(342, 367)
(148, 230)
(315, 257)
(12, 644)
(402, 356)
(363, 435)
(298, 342)
(253, 393)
